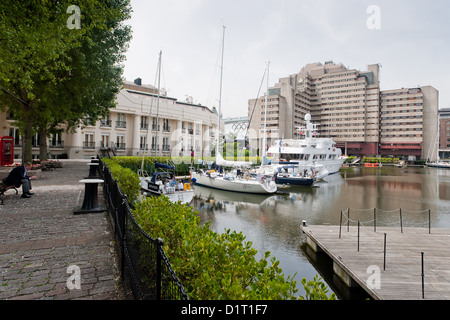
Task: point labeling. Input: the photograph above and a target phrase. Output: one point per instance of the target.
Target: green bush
(215, 266)
(379, 160)
(210, 265)
(127, 179)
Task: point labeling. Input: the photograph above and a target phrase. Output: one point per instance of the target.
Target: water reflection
(272, 222)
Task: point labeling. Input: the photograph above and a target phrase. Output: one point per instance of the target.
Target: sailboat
(238, 178)
(163, 182)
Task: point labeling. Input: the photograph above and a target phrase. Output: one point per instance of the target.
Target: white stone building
(132, 127)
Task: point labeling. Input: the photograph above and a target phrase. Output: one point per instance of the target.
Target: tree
(52, 74)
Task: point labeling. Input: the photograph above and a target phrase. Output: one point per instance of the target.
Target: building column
(75, 150)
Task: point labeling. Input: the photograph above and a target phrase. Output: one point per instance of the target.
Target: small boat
(291, 174)
(164, 183)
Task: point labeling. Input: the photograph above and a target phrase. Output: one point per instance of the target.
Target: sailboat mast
(157, 105)
(265, 112)
(220, 93)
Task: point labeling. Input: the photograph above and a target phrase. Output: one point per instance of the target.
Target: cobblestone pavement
(40, 238)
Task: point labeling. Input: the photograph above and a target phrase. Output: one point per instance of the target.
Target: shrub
(211, 265)
(127, 179)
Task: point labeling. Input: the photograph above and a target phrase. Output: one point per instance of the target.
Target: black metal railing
(143, 262)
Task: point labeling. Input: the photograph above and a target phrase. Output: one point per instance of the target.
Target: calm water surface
(272, 223)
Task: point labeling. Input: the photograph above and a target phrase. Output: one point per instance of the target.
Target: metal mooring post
(340, 225)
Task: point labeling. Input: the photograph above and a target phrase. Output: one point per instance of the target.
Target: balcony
(105, 123)
(154, 127)
(121, 124)
(144, 126)
(56, 145)
(120, 146)
(88, 145)
(166, 147)
(143, 146)
(166, 128)
(154, 147)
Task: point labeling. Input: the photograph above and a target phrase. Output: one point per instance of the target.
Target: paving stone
(40, 238)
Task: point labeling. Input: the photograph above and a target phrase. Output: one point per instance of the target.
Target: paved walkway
(40, 238)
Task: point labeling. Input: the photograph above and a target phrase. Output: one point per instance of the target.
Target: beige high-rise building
(348, 106)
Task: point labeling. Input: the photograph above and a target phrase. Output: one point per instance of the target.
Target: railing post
(401, 221)
(384, 253)
(374, 219)
(429, 220)
(159, 244)
(348, 219)
(423, 278)
(358, 235)
(340, 225)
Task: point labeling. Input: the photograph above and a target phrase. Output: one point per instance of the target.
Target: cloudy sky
(409, 38)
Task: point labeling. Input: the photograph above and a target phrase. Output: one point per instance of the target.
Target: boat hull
(294, 181)
(238, 185)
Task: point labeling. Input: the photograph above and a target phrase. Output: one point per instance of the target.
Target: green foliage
(216, 266)
(127, 179)
(52, 75)
(316, 289)
(379, 160)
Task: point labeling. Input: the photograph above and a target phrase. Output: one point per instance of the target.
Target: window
(89, 141)
(144, 122)
(105, 122)
(104, 142)
(143, 143)
(120, 142)
(121, 123)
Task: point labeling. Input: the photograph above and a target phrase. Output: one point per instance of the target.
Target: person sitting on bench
(18, 176)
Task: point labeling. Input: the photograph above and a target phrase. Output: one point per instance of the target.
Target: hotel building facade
(132, 127)
(348, 106)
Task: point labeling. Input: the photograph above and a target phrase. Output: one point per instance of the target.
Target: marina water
(272, 222)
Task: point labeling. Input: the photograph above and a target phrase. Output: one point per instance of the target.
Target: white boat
(439, 164)
(235, 180)
(320, 154)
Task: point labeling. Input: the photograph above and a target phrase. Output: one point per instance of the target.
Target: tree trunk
(27, 151)
(43, 146)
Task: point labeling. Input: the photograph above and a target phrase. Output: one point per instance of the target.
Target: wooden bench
(4, 188)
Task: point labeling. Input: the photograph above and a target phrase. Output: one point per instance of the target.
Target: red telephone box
(6, 151)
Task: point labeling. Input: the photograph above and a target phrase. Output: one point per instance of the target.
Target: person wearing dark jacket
(18, 177)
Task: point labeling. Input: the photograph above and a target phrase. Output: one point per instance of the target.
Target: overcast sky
(411, 42)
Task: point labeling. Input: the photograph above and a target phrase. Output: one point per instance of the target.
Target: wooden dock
(396, 273)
